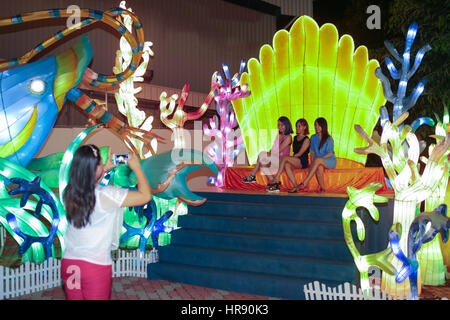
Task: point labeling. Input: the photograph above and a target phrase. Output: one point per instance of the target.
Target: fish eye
(37, 86)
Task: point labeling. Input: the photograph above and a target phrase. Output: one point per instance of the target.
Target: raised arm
(143, 194)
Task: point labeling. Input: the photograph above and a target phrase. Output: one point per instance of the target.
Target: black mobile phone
(118, 159)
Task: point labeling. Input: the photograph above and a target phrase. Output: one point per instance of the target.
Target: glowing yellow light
(410, 187)
(431, 256)
(308, 73)
(175, 117)
(364, 198)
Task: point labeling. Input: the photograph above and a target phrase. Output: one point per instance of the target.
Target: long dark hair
(324, 125)
(79, 195)
(287, 125)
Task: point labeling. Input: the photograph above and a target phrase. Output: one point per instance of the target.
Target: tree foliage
(432, 17)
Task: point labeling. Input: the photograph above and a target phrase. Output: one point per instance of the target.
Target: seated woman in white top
(95, 217)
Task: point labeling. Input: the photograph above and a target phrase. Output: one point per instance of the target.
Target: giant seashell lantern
(308, 73)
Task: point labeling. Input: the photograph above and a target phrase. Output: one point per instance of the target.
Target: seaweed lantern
(175, 117)
(364, 198)
(401, 103)
(431, 256)
(127, 103)
(410, 187)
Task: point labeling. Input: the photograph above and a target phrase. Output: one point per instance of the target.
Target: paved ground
(436, 292)
(132, 288)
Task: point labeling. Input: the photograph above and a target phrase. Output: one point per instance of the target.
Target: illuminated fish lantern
(32, 94)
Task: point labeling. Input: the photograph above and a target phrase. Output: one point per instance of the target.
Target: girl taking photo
(95, 219)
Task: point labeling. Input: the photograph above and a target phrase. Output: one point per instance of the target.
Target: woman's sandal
(293, 190)
(275, 187)
(321, 190)
(301, 187)
(271, 183)
(249, 179)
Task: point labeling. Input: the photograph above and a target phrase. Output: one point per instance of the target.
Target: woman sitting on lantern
(299, 159)
(281, 146)
(322, 154)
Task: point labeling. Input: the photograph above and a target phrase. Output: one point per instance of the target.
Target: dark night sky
(350, 17)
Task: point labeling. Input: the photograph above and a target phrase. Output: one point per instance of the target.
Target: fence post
(2, 239)
(2, 279)
(306, 291)
(317, 291)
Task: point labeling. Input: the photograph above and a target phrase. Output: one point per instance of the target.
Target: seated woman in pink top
(281, 146)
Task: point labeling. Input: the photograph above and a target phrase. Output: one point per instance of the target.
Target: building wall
(294, 7)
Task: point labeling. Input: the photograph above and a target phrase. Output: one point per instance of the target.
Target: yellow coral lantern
(309, 73)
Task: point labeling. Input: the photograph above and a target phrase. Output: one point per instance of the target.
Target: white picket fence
(318, 291)
(129, 264)
(30, 277)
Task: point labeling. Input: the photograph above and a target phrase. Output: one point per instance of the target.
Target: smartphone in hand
(119, 159)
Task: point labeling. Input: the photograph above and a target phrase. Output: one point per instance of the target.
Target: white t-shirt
(94, 242)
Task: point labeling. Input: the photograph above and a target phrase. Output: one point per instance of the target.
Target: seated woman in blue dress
(299, 159)
(322, 154)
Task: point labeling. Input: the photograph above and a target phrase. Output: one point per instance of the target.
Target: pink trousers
(86, 281)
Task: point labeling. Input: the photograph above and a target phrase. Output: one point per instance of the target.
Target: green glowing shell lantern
(308, 73)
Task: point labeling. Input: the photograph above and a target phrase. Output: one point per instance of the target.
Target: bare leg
(290, 174)
(285, 162)
(319, 176)
(256, 168)
(280, 170)
(312, 170)
(258, 164)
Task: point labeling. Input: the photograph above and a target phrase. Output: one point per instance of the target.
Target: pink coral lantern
(228, 142)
